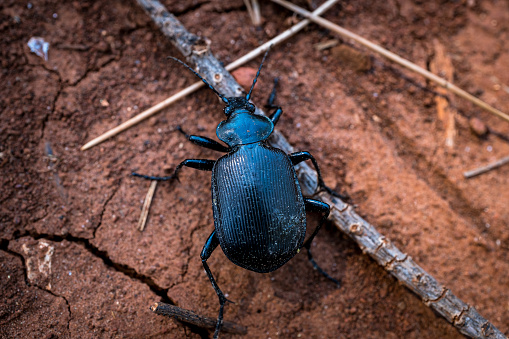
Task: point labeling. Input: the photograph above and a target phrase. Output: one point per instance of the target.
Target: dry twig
(464, 317)
(484, 169)
(192, 318)
(391, 56)
(167, 22)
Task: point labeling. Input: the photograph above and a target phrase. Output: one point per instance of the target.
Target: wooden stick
(146, 205)
(195, 319)
(484, 169)
(391, 56)
(462, 316)
(154, 8)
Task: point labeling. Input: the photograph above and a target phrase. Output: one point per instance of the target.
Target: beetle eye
(250, 107)
(227, 111)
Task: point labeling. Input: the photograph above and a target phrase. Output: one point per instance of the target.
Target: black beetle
(259, 211)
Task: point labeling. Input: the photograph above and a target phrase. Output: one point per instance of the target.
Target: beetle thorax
(244, 127)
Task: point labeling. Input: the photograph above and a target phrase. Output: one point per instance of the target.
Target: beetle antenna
(202, 79)
(257, 73)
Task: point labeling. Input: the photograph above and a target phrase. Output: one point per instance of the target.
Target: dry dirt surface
(73, 264)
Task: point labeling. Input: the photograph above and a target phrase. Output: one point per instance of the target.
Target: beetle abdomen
(259, 211)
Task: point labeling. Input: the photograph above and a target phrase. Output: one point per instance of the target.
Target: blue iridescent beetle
(259, 211)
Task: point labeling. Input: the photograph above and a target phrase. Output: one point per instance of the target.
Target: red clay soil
(73, 263)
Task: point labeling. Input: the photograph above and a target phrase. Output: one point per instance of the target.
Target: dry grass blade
(253, 9)
(146, 205)
(393, 57)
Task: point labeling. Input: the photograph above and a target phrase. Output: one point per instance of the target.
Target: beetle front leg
(204, 142)
(200, 164)
(322, 208)
(299, 157)
(208, 248)
(275, 116)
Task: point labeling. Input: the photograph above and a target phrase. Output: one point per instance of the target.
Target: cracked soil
(73, 264)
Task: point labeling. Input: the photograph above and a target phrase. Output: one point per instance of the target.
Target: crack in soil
(188, 249)
(91, 70)
(58, 296)
(104, 256)
(115, 190)
(113, 57)
(57, 95)
(53, 106)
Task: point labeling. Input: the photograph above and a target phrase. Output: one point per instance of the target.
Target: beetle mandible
(258, 208)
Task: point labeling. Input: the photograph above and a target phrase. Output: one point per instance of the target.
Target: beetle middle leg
(299, 157)
(324, 209)
(200, 164)
(208, 248)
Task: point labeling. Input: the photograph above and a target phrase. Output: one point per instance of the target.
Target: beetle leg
(299, 157)
(272, 96)
(208, 248)
(270, 104)
(200, 164)
(275, 116)
(324, 209)
(204, 142)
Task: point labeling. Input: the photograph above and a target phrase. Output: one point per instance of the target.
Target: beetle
(258, 207)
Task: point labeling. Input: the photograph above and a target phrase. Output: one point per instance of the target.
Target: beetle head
(242, 125)
(238, 104)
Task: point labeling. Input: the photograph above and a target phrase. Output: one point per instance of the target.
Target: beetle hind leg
(320, 270)
(317, 206)
(210, 246)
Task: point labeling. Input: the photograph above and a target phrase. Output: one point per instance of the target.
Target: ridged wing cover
(259, 211)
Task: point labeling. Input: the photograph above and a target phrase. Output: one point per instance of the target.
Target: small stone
(352, 310)
(478, 127)
(103, 46)
(245, 76)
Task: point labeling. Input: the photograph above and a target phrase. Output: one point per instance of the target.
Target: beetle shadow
(298, 282)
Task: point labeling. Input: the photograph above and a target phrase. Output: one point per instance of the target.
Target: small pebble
(245, 76)
(478, 127)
